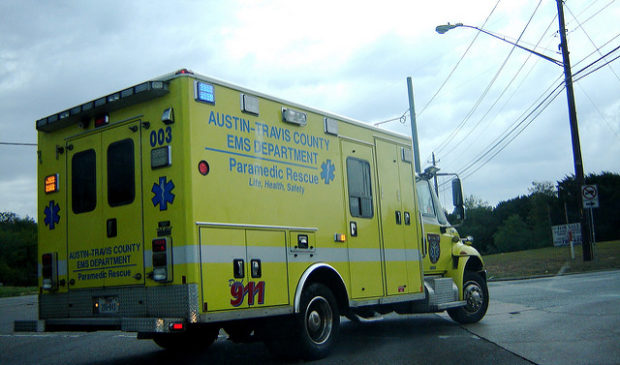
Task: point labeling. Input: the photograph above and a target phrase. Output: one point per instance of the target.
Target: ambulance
(185, 207)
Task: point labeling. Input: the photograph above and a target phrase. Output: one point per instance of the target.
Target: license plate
(107, 305)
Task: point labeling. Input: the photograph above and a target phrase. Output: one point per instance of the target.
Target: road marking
(42, 335)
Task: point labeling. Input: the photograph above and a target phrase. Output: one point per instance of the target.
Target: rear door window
(121, 173)
(84, 181)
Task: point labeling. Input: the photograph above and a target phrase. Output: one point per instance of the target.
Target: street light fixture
(588, 253)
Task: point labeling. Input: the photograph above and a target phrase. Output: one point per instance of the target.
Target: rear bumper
(142, 325)
(141, 309)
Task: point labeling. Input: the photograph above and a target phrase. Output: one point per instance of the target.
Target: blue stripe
(261, 158)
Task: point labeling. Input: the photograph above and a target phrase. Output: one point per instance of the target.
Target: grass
(14, 291)
(552, 261)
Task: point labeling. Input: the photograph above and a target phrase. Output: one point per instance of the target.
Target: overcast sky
(350, 58)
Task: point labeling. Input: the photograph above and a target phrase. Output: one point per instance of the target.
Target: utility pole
(435, 177)
(572, 115)
(414, 127)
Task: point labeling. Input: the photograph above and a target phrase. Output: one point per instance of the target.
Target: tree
(513, 235)
(480, 224)
(18, 250)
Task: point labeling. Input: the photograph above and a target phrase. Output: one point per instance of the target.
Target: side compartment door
(267, 272)
(392, 217)
(364, 245)
(243, 268)
(223, 260)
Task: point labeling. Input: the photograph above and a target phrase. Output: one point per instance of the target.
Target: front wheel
(476, 294)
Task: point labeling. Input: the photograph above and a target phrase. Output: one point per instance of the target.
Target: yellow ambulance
(186, 205)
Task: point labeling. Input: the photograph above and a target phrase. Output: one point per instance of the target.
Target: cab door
(105, 238)
(437, 248)
(364, 245)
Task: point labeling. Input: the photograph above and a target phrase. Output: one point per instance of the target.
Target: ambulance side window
(360, 191)
(121, 173)
(83, 181)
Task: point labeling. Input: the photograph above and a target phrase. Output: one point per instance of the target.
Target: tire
(476, 294)
(196, 339)
(311, 333)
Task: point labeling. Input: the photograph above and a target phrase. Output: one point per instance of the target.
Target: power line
(598, 12)
(509, 83)
(591, 41)
(17, 144)
(538, 110)
(447, 141)
(458, 62)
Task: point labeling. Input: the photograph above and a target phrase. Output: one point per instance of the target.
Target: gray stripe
(255, 226)
(213, 254)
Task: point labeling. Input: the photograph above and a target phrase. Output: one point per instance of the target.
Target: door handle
(399, 219)
(256, 268)
(238, 268)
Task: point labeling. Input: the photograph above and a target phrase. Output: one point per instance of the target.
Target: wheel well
(475, 264)
(328, 277)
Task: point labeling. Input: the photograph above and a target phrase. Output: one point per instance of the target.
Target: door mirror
(457, 200)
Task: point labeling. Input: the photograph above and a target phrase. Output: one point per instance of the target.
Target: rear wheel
(195, 339)
(476, 294)
(311, 333)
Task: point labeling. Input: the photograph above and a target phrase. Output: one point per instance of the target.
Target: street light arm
(441, 29)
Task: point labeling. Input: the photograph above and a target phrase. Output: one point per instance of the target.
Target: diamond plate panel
(165, 301)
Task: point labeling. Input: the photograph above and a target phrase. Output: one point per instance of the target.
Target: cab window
(83, 182)
(360, 191)
(121, 173)
(425, 199)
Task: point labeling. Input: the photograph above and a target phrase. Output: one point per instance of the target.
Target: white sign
(563, 234)
(589, 194)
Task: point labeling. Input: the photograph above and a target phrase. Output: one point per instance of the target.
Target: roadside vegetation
(551, 261)
(15, 291)
(524, 223)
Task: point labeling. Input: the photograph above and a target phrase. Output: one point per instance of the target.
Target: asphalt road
(571, 319)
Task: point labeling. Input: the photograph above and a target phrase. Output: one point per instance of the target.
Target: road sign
(564, 233)
(589, 195)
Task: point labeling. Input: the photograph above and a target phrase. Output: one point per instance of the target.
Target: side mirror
(457, 200)
(457, 193)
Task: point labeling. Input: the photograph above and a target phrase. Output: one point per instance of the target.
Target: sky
(349, 58)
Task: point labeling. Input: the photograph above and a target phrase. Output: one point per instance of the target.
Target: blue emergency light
(204, 92)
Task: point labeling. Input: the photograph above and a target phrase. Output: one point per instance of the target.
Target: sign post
(589, 195)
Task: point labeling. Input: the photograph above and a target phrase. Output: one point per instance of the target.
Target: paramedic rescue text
(109, 262)
(259, 142)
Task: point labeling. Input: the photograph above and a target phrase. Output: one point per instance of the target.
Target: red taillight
(102, 120)
(203, 167)
(159, 245)
(177, 327)
(46, 259)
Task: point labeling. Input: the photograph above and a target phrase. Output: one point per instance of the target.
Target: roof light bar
(133, 95)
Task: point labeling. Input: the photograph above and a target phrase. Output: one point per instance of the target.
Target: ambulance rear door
(104, 215)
